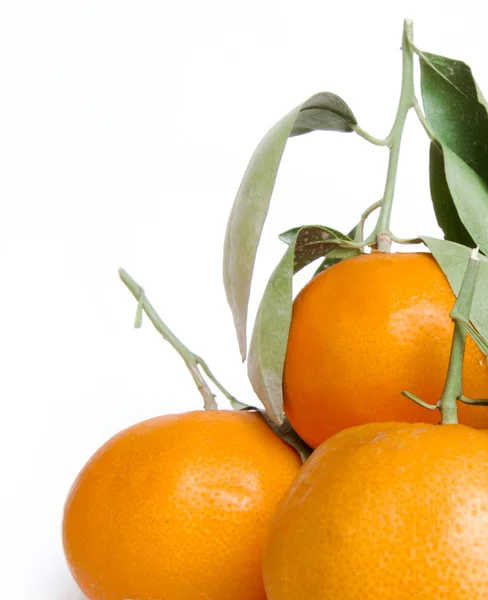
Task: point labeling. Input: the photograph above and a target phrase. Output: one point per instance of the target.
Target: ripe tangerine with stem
(364, 330)
(176, 507)
(385, 511)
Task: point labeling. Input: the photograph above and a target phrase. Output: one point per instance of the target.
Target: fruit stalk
(192, 360)
(454, 382)
(382, 234)
(359, 235)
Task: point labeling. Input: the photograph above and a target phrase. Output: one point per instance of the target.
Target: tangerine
(176, 507)
(381, 511)
(362, 331)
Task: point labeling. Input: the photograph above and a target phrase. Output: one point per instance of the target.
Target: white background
(125, 127)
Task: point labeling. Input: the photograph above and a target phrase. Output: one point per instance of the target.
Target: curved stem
(418, 401)
(407, 100)
(398, 240)
(360, 226)
(370, 138)
(423, 121)
(192, 361)
(473, 401)
(480, 341)
(358, 244)
(453, 385)
(218, 385)
(462, 308)
(371, 239)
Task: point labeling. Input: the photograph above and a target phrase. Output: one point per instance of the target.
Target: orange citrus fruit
(176, 508)
(385, 512)
(364, 330)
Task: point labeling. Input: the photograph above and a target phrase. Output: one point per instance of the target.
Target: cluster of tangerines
(212, 505)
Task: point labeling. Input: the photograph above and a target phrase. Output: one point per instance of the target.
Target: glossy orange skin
(366, 329)
(385, 512)
(175, 508)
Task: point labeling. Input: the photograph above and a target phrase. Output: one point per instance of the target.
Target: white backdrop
(125, 127)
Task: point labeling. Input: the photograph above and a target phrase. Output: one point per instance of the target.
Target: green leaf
(238, 405)
(334, 256)
(352, 234)
(444, 207)
(453, 260)
(288, 237)
(284, 431)
(481, 98)
(322, 111)
(457, 114)
(326, 112)
(452, 106)
(270, 334)
(470, 195)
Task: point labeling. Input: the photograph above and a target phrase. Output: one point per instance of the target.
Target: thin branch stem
(217, 384)
(423, 121)
(474, 402)
(398, 240)
(370, 138)
(453, 388)
(480, 341)
(353, 244)
(418, 401)
(192, 361)
(369, 241)
(360, 226)
(407, 100)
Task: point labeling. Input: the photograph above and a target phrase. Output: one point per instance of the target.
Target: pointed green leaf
(284, 431)
(288, 237)
(470, 195)
(453, 260)
(481, 98)
(457, 114)
(270, 334)
(238, 405)
(250, 208)
(452, 106)
(444, 207)
(326, 112)
(335, 255)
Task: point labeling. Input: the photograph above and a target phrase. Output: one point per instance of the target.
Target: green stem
(453, 386)
(370, 138)
(423, 121)
(358, 238)
(473, 401)
(480, 341)
(398, 240)
(419, 401)
(462, 308)
(218, 385)
(192, 361)
(407, 100)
